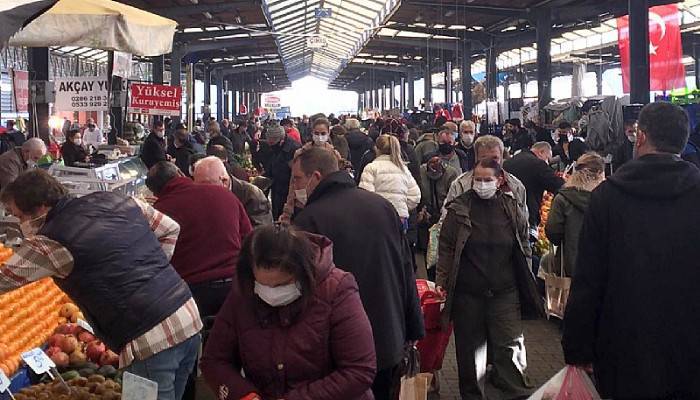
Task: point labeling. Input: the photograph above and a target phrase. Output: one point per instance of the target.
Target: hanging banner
(666, 68)
(122, 65)
(81, 93)
(20, 90)
(155, 99)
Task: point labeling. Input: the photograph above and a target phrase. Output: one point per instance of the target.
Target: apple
(61, 359)
(55, 339)
(86, 337)
(94, 350)
(69, 344)
(68, 329)
(53, 350)
(109, 358)
(77, 358)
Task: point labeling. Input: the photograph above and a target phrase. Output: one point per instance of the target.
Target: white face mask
(78, 142)
(467, 139)
(31, 164)
(485, 190)
(160, 134)
(279, 296)
(301, 196)
(570, 137)
(318, 139)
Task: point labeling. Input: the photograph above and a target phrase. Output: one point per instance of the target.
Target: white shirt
(93, 138)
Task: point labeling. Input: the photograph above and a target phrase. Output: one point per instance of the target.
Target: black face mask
(445, 149)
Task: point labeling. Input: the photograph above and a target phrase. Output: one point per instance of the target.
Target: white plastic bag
(571, 383)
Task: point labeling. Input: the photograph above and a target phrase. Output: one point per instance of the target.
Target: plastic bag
(571, 383)
(433, 238)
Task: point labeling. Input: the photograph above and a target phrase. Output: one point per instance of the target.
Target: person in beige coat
(20, 159)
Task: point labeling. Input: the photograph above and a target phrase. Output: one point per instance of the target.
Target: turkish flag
(666, 68)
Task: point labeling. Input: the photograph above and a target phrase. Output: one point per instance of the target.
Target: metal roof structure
(341, 28)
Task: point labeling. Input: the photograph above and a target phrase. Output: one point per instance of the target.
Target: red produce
(69, 344)
(109, 358)
(69, 329)
(53, 350)
(61, 359)
(86, 337)
(94, 350)
(55, 339)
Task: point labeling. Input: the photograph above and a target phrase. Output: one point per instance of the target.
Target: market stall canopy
(14, 14)
(99, 24)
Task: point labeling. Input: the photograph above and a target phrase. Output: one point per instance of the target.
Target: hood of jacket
(426, 136)
(656, 176)
(176, 185)
(336, 181)
(323, 255)
(578, 198)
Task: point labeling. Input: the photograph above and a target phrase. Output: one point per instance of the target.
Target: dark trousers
(210, 296)
(492, 326)
(386, 384)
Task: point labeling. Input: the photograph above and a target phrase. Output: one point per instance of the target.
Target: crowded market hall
(302, 199)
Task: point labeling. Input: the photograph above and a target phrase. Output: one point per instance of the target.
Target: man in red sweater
(203, 211)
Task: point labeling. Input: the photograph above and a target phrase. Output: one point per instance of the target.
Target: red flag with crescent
(666, 68)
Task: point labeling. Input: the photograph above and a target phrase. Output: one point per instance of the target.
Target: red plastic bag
(571, 383)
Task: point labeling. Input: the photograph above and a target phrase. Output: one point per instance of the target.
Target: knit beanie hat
(275, 131)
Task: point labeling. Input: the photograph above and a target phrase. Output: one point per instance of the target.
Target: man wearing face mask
(153, 149)
(625, 150)
(278, 155)
(483, 273)
(93, 135)
(320, 130)
(20, 159)
(181, 150)
(531, 167)
(206, 269)
(111, 255)
(449, 153)
(467, 136)
(382, 265)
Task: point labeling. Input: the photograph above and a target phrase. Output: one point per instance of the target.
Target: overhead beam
(193, 9)
(191, 36)
(477, 9)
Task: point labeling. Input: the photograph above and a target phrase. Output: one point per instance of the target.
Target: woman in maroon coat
(294, 324)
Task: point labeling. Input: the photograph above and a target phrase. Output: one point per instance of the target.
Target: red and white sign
(20, 90)
(155, 99)
(666, 68)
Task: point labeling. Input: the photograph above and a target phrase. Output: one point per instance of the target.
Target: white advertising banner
(82, 93)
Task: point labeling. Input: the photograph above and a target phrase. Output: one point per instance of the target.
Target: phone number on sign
(88, 101)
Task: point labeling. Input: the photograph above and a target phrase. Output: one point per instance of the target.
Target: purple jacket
(322, 350)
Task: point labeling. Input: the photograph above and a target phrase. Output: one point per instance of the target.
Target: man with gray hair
(531, 166)
(488, 147)
(20, 159)
(358, 142)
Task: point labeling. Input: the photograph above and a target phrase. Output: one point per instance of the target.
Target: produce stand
(126, 176)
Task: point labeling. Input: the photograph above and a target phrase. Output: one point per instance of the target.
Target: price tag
(85, 325)
(137, 388)
(38, 361)
(4, 382)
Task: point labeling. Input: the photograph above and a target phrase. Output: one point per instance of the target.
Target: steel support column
(219, 94)
(38, 65)
(428, 87)
(402, 94)
(544, 57)
(598, 82)
(392, 94)
(410, 79)
(491, 72)
(696, 56)
(176, 73)
(466, 77)
(207, 91)
(116, 112)
(158, 66)
(448, 81)
(227, 97)
(639, 51)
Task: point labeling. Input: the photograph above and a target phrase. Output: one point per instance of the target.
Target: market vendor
(73, 150)
(134, 299)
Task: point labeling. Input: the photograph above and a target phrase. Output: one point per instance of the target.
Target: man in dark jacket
(382, 266)
(531, 167)
(153, 148)
(280, 152)
(623, 154)
(181, 150)
(206, 269)
(111, 255)
(467, 137)
(358, 142)
(216, 137)
(632, 313)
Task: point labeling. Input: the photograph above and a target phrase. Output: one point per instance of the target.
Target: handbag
(557, 289)
(414, 385)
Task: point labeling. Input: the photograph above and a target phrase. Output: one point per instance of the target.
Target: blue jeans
(169, 368)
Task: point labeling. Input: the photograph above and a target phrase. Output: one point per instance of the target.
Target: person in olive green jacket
(484, 274)
(568, 208)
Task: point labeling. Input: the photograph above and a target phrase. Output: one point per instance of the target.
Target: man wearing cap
(276, 164)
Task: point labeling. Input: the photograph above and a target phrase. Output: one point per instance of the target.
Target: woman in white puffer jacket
(389, 177)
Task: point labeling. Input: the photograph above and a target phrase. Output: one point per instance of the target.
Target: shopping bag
(557, 287)
(433, 239)
(416, 387)
(571, 383)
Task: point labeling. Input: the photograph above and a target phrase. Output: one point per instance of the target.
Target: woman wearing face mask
(320, 138)
(484, 274)
(389, 177)
(293, 322)
(73, 150)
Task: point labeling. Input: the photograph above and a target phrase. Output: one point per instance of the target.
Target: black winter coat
(468, 161)
(537, 177)
(152, 150)
(221, 140)
(73, 153)
(359, 144)
(633, 308)
(182, 156)
(375, 253)
(577, 148)
(277, 168)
